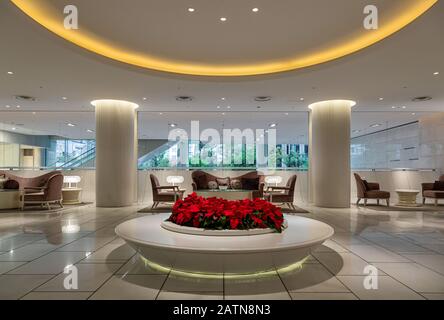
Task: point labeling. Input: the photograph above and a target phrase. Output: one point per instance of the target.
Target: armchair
(370, 190)
(282, 194)
(168, 194)
(429, 192)
(51, 192)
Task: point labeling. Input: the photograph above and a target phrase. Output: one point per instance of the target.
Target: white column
(330, 153)
(116, 154)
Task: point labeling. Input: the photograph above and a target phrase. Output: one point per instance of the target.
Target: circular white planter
(230, 254)
(171, 226)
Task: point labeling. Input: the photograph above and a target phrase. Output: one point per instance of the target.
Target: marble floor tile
(13, 287)
(312, 278)
(431, 261)
(376, 254)
(111, 252)
(52, 263)
(329, 246)
(86, 244)
(415, 276)
(8, 266)
(434, 296)
(400, 246)
(18, 241)
(388, 289)
(322, 296)
(342, 263)
(57, 296)
(28, 252)
(170, 295)
(130, 287)
(283, 295)
(191, 284)
(90, 278)
(264, 288)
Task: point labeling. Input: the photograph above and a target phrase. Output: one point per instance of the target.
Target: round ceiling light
(262, 98)
(24, 98)
(191, 10)
(184, 98)
(424, 98)
(255, 9)
(48, 18)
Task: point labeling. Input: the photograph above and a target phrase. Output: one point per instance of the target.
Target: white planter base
(231, 254)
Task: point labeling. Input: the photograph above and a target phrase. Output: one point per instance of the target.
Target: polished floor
(407, 248)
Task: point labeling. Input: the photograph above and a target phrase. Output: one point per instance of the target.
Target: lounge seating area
(433, 191)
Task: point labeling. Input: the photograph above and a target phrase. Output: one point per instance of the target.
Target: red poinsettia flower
(217, 213)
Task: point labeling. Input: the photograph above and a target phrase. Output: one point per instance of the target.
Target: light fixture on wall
(72, 180)
(175, 179)
(273, 179)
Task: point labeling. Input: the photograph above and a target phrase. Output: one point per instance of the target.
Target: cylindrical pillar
(116, 155)
(330, 153)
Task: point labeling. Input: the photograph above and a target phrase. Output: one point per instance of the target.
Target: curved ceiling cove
(165, 36)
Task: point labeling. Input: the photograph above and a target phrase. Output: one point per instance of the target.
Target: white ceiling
(49, 68)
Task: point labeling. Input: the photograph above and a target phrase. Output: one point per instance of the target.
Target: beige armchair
(370, 190)
(167, 194)
(50, 193)
(283, 195)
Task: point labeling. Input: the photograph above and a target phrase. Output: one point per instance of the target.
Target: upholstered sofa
(430, 191)
(22, 183)
(370, 190)
(249, 181)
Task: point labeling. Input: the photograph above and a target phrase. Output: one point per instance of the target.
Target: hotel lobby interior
(221, 150)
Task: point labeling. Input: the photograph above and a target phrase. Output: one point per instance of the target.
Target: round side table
(71, 195)
(407, 197)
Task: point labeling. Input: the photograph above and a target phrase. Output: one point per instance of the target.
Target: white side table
(10, 199)
(71, 195)
(407, 197)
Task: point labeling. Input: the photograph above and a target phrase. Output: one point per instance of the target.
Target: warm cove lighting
(349, 103)
(123, 103)
(45, 16)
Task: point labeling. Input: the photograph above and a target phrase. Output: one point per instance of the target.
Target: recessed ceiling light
(435, 73)
(64, 98)
(172, 125)
(160, 113)
(18, 107)
(13, 129)
(286, 113)
(393, 107)
(228, 107)
(70, 125)
(218, 107)
(144, 98)
(34, 113)
(272, 125)
(301, 99)
(8, 106)
(255, 9)
(413, 113)
(380, 99)
(222, 98)
(223, 19)
(403, 107)
(10, 72)
(223, 113)
(191, 10)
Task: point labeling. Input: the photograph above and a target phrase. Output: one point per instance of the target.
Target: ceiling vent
(262, 98)
(419, 99)
(24, 98)
(184, 98)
